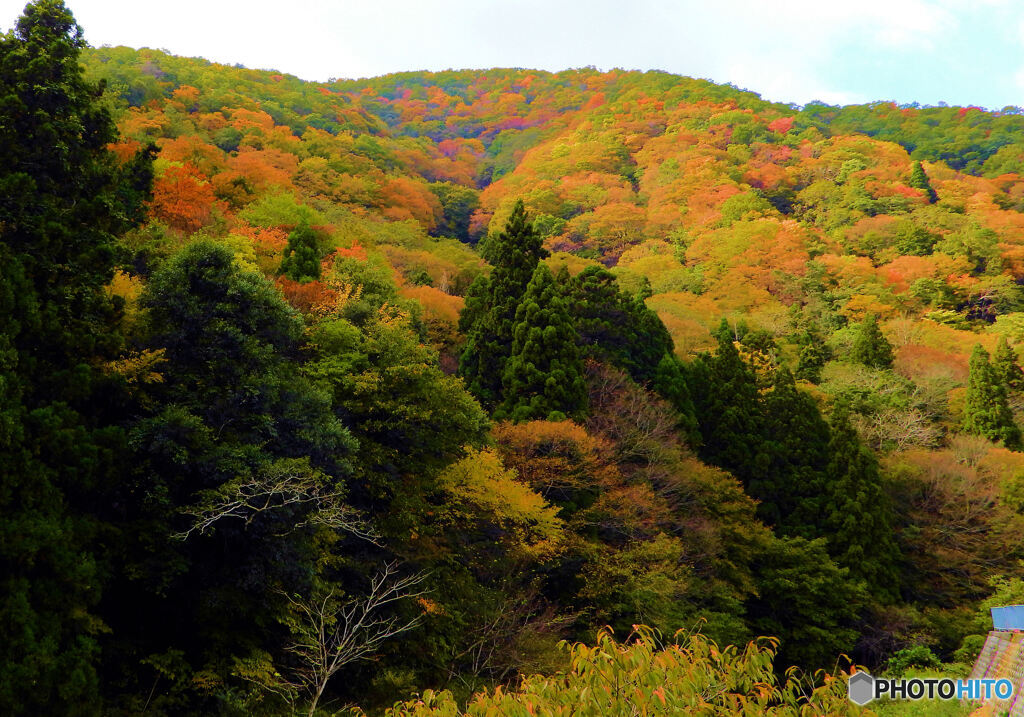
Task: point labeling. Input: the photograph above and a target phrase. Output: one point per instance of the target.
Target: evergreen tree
(514, 253)
(729, 413)
(856, 515)
(1007, 367)
(670, 382)
(543, 378)
(63, 199)
(812, 359)
(796, 443)
(870, 347)
(813, 356)
(919, 180)
(616, 328)
(805, 600)
(619, 329)
(477, 303)
(986, 411)
(301, 261)
(232, 418)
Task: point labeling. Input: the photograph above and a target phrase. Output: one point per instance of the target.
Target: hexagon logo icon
(861, 688)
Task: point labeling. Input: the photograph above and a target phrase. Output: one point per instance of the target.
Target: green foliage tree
(796, 440)
(619, 329)
(870, 347)
(670, 382)
(916, 656)
(919, 180)
(514, 253)
(543, 377)
(410, 418)
(986, 411)
(615, 327)
(813, 357)
(237, 472)
(1006, 366)
(417, 429)
(63, 200)
(727, 403)
(477, 303)
(457, 204)
(301, 261)
(856, 515)
(806, 601)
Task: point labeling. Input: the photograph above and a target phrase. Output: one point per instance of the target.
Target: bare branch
(329, 634)
(275, 489)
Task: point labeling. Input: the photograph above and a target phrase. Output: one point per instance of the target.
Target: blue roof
(1010, 617)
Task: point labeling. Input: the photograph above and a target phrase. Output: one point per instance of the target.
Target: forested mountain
(327, 394)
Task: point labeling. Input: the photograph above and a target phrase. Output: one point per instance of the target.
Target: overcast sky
(967, 52)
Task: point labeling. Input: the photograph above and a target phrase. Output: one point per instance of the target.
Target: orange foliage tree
(183, 198)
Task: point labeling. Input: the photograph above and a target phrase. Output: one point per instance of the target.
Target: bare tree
(286, 483)
(330, 633)
(639, 424)
(903, 330)
(898, 429)
(499, 646)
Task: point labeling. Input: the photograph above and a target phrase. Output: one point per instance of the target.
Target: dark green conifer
(477, 303)
(729, 413)
(919, 180)
(813, 356)
(63, 200)
(514, 253)
(796, 443)
(301, 261)
(986, 411)
(1007, 366)
(807, 601)
(671, 383)
(543, 378)
(856, 515)
(615, 327)
(870, 347)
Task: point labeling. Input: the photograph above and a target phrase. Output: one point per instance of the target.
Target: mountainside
(352, 390)
(722, 201)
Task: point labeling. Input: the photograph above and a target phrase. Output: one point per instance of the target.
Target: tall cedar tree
(616, 328)
(805, 600)
(63, 199)
(870, 347)
(856, 514)
(514, 253)
(543, 378)
(671, 383)
(1007, 366)
(301, 261)
(813, 356)
(729, 414)
(919, 180)
(986, 410)
(796, 443)
(619, 329)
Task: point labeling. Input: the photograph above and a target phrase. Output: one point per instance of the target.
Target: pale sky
(966, 52)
